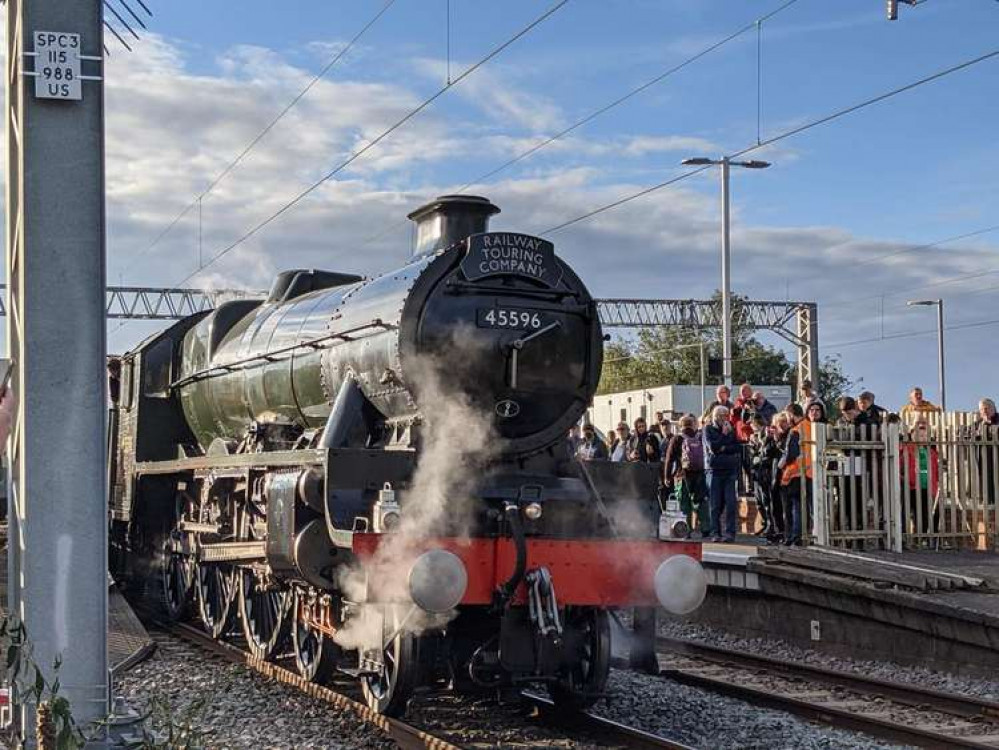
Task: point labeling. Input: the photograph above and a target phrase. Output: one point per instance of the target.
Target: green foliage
(174, 729)
(834, 382)
(671, 356)
(30, 684)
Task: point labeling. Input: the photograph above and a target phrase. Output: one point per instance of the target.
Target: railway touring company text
(507, 253)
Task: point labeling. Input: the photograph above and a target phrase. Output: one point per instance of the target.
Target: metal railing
(929, 481)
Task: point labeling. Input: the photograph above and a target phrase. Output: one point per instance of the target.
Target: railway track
(405, 735)
(585, 728)
(893, 711)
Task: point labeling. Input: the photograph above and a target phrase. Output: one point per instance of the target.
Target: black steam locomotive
(372, 473)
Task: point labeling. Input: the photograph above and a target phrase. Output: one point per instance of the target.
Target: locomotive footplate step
(128, 641)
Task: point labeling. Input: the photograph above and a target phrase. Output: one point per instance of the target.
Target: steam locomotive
(372, 474)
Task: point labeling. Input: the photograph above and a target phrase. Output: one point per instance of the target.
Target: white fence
(931, 483)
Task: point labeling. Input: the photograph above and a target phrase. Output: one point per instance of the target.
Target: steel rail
(405, 735)
(910, 696)
(603, 728)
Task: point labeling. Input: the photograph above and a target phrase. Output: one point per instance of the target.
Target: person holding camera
(643, 445)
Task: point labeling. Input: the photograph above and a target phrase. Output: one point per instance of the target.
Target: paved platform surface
(984, 565)
(938, 608)
(128, 641)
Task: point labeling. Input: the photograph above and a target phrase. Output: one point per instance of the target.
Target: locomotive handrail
(455, 286)
(241, 364)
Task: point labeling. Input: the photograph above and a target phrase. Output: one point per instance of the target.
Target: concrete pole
(940, 355)
(726, 278)
(55, 259)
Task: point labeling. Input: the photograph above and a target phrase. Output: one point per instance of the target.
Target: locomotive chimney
(449, 219)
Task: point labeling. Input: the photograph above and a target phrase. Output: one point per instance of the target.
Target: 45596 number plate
(510, 318)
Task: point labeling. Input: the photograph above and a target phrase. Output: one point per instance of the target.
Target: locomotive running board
(273, 459)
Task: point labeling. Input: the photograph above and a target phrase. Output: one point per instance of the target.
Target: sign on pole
(57, 65)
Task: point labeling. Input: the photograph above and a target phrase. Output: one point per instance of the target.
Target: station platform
(128, 641)
(928, 608)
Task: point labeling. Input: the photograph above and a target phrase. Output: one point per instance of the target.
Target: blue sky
(913, 170)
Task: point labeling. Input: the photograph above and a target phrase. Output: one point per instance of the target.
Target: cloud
(648, 144)
(170, 130)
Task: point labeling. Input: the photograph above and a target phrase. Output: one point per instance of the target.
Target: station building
(676, 400)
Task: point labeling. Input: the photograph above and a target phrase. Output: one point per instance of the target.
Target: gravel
(920, 676)
(485, 723)
(706, 720)
(230, 707)
(225, 706)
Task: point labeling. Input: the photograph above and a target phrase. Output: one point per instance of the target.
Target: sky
(886, 180)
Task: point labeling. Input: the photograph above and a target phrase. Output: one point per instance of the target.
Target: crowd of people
(747, 446)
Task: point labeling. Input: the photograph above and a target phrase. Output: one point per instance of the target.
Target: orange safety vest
(793, 470)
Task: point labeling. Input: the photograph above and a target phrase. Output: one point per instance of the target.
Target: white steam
(457, 440)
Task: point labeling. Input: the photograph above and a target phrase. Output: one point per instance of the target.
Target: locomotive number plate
(512, 319)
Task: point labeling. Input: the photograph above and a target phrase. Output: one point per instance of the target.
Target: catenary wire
(913, 334)
(851, 301)
(937, 243)
(371, 144)
(786, 134)
(267, 129)
(603, 109)
(378, 139)
(900, 290)
(625, 97)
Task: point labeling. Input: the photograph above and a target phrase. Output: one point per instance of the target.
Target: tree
(671, 356)
(833, 382)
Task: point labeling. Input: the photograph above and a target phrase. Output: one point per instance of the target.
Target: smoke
(631, 520)
(456, 442)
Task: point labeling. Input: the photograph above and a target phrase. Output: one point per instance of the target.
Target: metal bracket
(542, 604)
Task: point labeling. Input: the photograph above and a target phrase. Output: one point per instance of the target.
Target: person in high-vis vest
(795, 465)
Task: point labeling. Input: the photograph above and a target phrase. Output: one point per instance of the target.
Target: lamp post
(726, 267)
(938, 303)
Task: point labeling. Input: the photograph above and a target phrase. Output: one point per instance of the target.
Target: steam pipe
(505, 592)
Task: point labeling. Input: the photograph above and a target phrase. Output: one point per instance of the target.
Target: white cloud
(171, 130)
(648, 144)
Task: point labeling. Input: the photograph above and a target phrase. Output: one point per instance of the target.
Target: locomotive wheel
(265, 615)
(316, 655)
(177, 580)
(388, 692)
(587, 632)
(215, 585)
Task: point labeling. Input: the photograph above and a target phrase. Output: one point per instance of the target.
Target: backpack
(692, 453)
